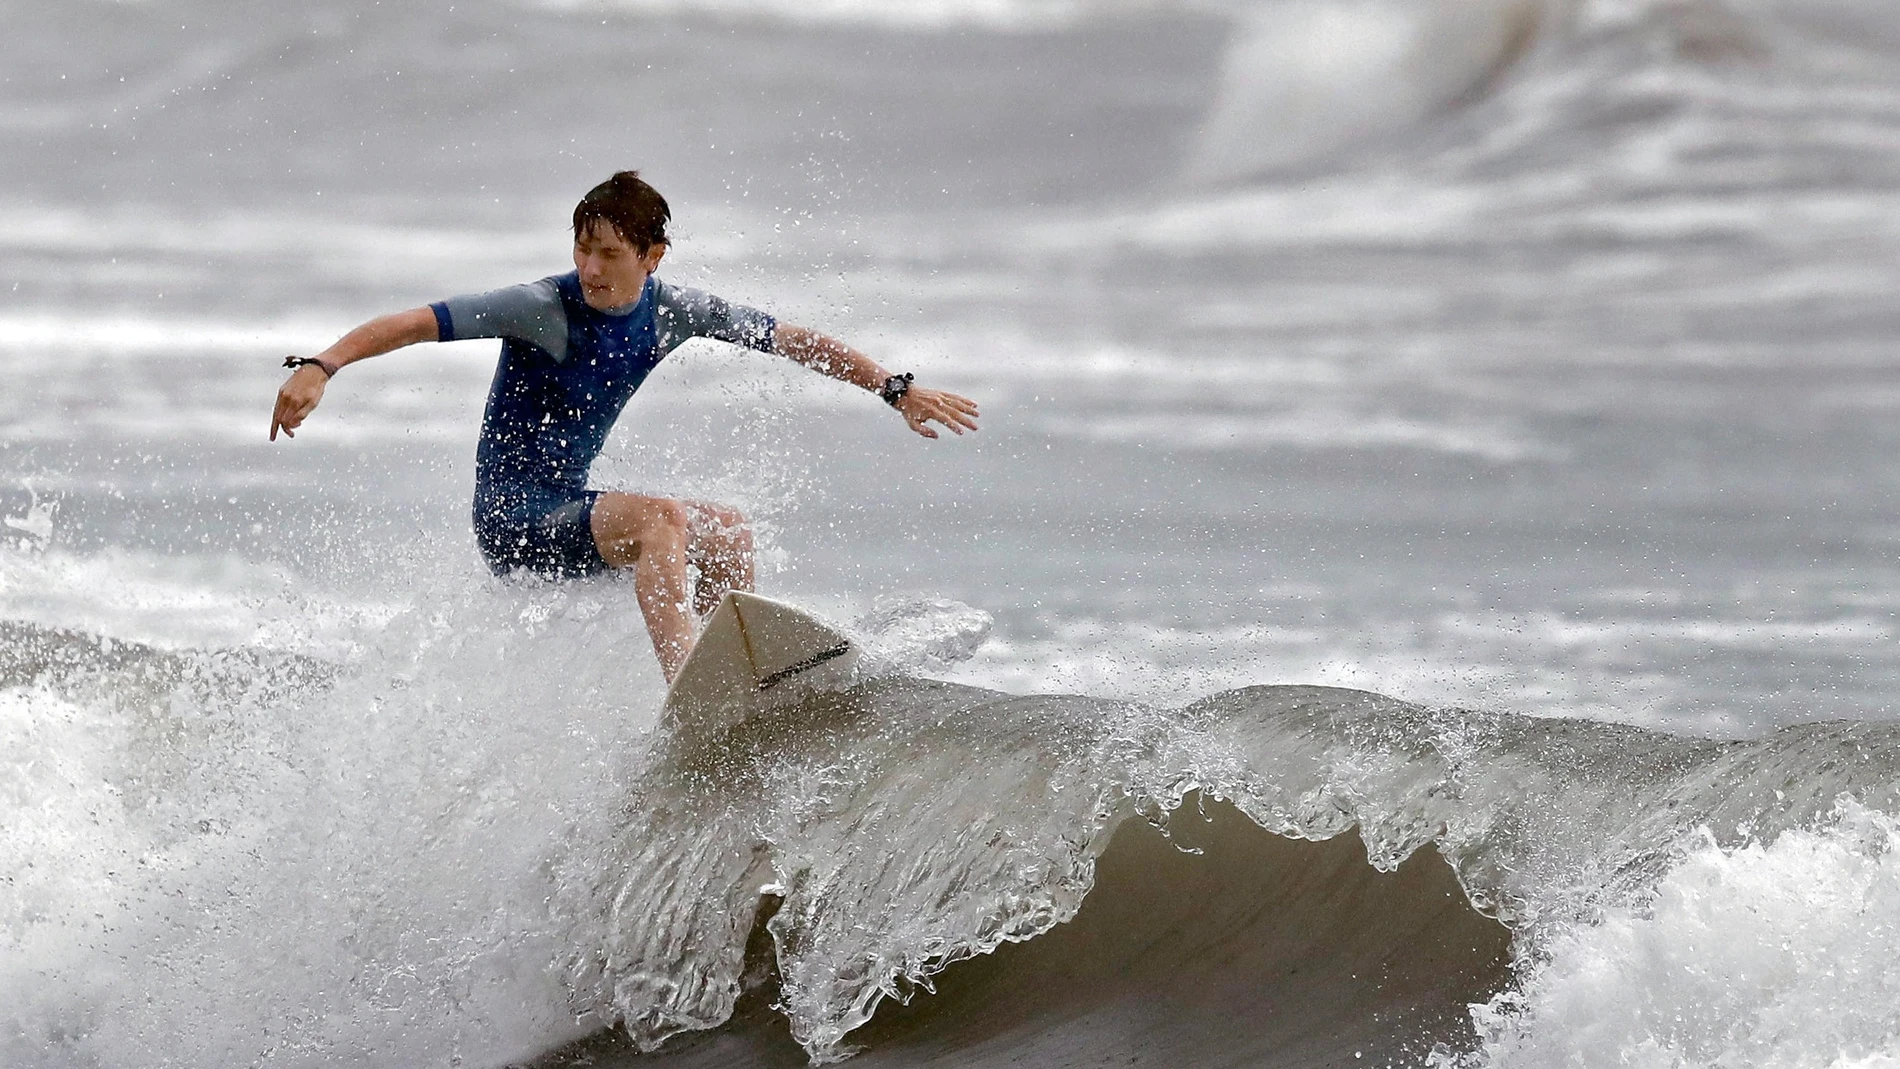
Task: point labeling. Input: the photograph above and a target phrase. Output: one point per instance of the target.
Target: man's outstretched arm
(829, 356)
(301, 392)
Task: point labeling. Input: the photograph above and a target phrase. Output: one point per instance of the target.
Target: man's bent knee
(716, 519)
(718, 531)
(628, 526)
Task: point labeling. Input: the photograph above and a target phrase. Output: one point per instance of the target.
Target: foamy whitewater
(1424, 593)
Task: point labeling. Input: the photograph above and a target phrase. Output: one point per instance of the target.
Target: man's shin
(659, 582)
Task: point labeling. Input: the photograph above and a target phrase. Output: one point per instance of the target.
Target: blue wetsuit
(566, 371)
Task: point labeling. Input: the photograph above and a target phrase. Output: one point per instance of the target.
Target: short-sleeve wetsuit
(566, 371)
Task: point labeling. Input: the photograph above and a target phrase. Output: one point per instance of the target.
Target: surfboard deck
(754, 654)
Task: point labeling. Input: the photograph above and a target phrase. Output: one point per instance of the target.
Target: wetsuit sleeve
(530, 312)
(686, 313)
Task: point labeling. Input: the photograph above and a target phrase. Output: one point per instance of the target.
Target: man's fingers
(288, 422)
(930, 410)
(954, 412)
(937, 412)
(293, 407)
(954, 418)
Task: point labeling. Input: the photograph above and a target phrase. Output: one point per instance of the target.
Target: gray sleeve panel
(531, 312)
(686, 313)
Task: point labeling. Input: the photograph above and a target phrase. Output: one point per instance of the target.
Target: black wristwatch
(329, 370)
(896, 387)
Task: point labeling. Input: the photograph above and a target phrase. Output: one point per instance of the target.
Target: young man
(574, 348)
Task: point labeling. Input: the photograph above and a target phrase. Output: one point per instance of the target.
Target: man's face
(612, 271)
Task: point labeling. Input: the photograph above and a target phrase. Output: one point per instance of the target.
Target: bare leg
(719, 544)
(657, 537)
(649, 535)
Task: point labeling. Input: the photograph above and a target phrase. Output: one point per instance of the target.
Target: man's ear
(655, 254)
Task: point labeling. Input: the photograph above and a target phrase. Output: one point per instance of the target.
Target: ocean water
(1424, 592)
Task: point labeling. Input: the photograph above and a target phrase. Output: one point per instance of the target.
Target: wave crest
(909, 825)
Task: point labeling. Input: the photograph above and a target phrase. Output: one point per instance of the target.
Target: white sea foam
(915, 14)
(1159, 663)
(66, 847)
(183, 602)
(1310, 429)
(382, 841)
(927, 634)
(40, 332)
(1353, 209)
(1605, 633)
(127, 230)
(1769, 955)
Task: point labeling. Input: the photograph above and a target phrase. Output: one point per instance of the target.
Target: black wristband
(896, 387)
(329, 370)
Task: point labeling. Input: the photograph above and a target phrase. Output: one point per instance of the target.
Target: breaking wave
(905, 826)
(465, 836)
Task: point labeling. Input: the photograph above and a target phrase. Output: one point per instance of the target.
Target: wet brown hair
(634, 209)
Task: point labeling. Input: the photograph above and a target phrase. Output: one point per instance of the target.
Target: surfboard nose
(749, 648)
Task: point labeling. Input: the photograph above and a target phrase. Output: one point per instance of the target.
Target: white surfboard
(754, 654)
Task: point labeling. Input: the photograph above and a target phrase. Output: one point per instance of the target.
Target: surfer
(574, 349)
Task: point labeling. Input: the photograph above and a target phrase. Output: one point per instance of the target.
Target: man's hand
(380, 335)
(920, 405)
(296, 398)
(829, 356)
